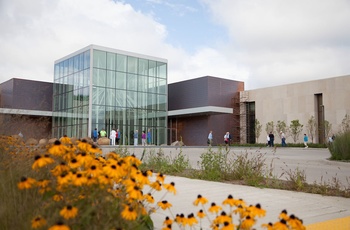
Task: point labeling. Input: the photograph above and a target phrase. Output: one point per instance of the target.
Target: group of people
(227, 138)
(115, 136)
(271, 138)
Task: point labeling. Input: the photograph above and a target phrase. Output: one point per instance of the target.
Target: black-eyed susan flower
(104, 180)
(167, 221)
(256, 211)
(191, 220)
(200, 200)
(283, 215)
(134, 192)
(295, 223)
(91, 180)
(229, 201)
(83, 145)
(240, 202)
(149, 198)
(241, 211)
(59, 169)
(79, 179)
(59, 226)
(57, 149)
(63, 179)
(74, 163)
(180, 218)
(167, 227)
(247, 223)
(160, 177)
(41, 161)
(156, 186)
(222, 218)
(66, 140)
(69, 212)
(93, 149)
(280, 225)
(84, 159)
(214, 208)
(129, 213)
(164, 204)
(38, 222)
(26, 183)
(142, 178)
(170, 187)
(228, 226)
(201, 214)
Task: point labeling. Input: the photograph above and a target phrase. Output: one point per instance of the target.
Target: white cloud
(286, 41)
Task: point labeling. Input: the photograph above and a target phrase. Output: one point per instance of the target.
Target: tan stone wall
(297, 101)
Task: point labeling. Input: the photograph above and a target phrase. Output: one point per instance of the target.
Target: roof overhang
(26, 112)
(198, 111)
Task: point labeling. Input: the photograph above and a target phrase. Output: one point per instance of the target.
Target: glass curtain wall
(128, 93)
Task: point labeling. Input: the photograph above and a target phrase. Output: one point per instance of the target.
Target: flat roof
(201, 111)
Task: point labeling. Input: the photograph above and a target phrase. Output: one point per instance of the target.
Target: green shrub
(213, 165)
(340, 148)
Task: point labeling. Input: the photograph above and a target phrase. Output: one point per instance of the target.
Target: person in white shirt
(112, 136)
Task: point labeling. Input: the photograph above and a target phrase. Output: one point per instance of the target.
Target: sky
(262, 43)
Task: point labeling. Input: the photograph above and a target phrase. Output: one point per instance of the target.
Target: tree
(295, 128)
(345, 124)
(270, 127)
(327, 128)
(257, 129)
(281, 126)
(311, 128)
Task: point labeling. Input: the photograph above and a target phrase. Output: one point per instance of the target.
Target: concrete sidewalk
(311, 208)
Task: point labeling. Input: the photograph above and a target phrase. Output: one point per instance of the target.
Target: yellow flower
(160, 177)
(230, 201)
(84, 158)
(65, 140)
(191, 220)
(170, 187)
(180, 218)
(26, 183)
(38, 222)
(283, 215)
(168, 227)
(223, 218)
(201, 214)
(134, 192)
(59, 169)
(93, 149)
(40, 161)
(247, 223)
(74, 163)
(228, 226)
(59, 226)
(69, 212)
(63, 179)
(214, 208)
(281, 225)
(129, 213)
(295, 223)
(241, 211)
(57, 149)
(94, 170)
(156, 186)
(164, 204)
(83, 145)
(200, 200)
(167, 221)
(142, 178)
(149, 198)
(43, 184)
(256, 211)
(79, 179)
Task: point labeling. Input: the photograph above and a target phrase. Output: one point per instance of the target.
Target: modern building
(327, 100)
(201, 105)
(26, 107)
(104, 88)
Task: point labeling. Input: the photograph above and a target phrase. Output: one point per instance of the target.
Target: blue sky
(263, 43)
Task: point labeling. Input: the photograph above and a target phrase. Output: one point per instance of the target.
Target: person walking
(306, 139)
(283, 138)
(136, 137)
(272, 138)
(149, 137)
(210, 138)
(143, 138)
(113, 136)
(268, 140)
(94, 135)
(117, 137)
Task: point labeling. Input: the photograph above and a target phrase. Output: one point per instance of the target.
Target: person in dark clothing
(272, 138)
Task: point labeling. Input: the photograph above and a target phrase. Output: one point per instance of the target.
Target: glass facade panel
(127, 93)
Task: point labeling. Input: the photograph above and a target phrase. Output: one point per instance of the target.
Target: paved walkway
(311, 208)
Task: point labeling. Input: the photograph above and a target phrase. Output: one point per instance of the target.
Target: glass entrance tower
(104, 88)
